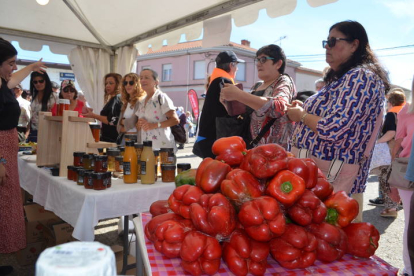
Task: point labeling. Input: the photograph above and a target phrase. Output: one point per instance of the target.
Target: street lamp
(280, 40)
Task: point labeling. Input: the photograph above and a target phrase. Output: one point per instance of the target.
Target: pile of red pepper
(248, 204)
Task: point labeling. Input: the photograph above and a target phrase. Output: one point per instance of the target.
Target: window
(199, 70)
(166, 72)
(241, 72)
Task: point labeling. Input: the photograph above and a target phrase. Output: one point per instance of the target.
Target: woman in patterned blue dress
(336, 124)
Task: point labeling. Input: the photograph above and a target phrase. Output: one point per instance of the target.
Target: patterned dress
(349, 108)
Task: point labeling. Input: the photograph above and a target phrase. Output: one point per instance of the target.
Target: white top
(37, 107)
(129, 112)
(154, 111)
(77, 258)
(25, 112)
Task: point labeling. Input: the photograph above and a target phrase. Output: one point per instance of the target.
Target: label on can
(127, 168)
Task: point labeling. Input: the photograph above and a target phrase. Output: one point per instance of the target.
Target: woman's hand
(39, 66)
(3, 174)
(88, 113)
(295, 113)
(145, 125)
(229, 92)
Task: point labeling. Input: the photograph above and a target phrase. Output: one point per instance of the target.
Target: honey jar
(98, 181)
(122, 150)
(87, 180)
(81, 173)
(71, 172)
(96, 131)
(112, 153)
(164, 155)
(77, 158)
(183, 167)
(87, 161)
(119, 164)
(101, 163)
(168, 172)
(108, 180)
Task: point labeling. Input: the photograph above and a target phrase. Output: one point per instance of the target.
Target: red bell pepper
(244, 255)
(240, 186)
(332, 241)
(323, 188)
(342, 209)
(210, 173)
(363, 239)
(182, 197)
(159, 207)
(153, 224)
(265, 161)
(286, 187)
(169, 236)
(230, 150)
(262, 218)
(214, 215)
(308, 209)
(305, 168)
(200, 254)
(296, 248)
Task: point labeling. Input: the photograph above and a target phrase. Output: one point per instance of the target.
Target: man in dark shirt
(225, 72)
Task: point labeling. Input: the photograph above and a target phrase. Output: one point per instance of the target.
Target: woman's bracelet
(302, 119)
(3, 161)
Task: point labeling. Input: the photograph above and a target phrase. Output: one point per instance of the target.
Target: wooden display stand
(60, 136)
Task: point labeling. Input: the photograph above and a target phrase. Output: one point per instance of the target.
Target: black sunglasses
(332, 41)
(69, 90)
(125, 83)
(39, 81)
(262, 59)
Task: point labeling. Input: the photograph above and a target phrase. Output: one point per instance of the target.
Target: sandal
(389, 213)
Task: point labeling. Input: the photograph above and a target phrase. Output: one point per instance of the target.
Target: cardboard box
(29, 255)
(57, 234)
(36, 219)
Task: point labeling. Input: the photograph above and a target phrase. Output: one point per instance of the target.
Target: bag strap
(262, 132)
(374, 136)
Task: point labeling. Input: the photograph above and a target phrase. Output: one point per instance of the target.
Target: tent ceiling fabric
(125, 22)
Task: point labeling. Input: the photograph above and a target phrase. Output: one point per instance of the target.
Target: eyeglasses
(262, 59)
(69, 90)
(125, 83)
(332, 41)
(39, 81)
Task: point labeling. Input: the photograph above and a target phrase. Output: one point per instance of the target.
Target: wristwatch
(159, 125)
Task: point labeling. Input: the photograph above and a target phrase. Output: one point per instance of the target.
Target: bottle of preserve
(130, 163)
(147, 164)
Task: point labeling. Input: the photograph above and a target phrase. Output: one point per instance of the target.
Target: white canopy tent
(100, 36)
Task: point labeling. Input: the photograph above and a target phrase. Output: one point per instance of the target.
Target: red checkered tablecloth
(348, 265)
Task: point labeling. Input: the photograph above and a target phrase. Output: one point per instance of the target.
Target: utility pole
(280, 40)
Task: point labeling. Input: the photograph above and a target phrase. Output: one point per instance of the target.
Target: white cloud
(400, 8)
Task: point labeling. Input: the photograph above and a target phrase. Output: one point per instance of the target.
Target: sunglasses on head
(332, 41)
(262, 59)
(39, 81)
(128, 82)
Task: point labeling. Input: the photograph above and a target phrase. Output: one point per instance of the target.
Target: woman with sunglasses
(12, 225)
(43, 100)
(156, 113)
(269, 98)
(130, 95)
(109, 115)
(338, 126)
(69, 92)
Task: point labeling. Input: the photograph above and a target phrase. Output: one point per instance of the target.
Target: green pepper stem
(331, 216)
(286, 187)
(372, 242)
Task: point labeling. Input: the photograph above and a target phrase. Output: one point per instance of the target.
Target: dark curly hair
(275, 52)
(363, 56)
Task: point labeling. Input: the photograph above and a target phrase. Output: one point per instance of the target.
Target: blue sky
(389, 24)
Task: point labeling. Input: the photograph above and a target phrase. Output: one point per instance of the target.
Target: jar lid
(128, 144)
(168, 167)
(119, 158)
(81, 171)
(108, 174)
(122, 148)
(184, 166)
(64, 101)
(88, 173)
(88, 156)
(101, 157)
(112, 151)
(138, 146)
(78, 168)
(147, 143)
(78, 153)
(95, 126)
(166, 149)
(99, 175)
(71, 168)
(156, 152)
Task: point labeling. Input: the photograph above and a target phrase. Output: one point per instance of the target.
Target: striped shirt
(349, 108)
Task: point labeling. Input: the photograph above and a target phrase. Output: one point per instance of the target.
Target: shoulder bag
(397, 175)
(177, 131)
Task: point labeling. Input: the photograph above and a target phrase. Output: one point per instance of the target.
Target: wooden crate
(60, 136)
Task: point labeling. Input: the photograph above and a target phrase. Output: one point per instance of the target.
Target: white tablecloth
(83, 208)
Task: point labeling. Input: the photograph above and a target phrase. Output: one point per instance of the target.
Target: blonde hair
(132, 99)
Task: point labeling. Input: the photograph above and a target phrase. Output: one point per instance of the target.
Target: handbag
(179, 133)
(234, 126)
(397, 175)
(380, 157)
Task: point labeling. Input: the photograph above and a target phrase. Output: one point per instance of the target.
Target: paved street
(390, 247)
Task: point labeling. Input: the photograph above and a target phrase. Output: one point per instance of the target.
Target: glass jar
(112, 153)
(75, 173)
(77, 158)
(108, 180)
(63, 104)
(71, 172)
(96, 131)
(122, 150)
(171, 159)
(183, 167)
(87, 161)
(98, 181)
(164, 155)
(81, 173)
(101, 163)
(87, 179)
(157, 164)
(168, 172)
(119, 164)
(147, 164)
